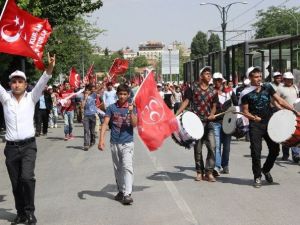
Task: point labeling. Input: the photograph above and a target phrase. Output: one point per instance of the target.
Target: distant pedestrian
(89, 119)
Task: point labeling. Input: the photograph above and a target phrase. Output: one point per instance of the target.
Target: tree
(140, 61)
(199, 46)
(214, 43)
(58, 11)
(276, 21)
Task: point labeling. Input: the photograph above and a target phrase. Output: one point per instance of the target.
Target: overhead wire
(249, 21)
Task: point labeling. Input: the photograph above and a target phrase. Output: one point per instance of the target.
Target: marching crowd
(112, 104)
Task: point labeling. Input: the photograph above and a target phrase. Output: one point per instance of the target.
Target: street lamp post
(224, 15)
(170, 48)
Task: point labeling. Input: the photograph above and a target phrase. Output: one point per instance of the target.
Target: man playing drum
(289, 92)
(256, 107)
(203, 99)
(225, 100)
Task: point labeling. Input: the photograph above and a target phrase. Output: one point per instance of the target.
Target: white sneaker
(55, 125)
(51, 126)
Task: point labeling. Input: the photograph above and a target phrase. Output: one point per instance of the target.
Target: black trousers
(257, 131)
(42, 117)
(89, 124)
(20, 163)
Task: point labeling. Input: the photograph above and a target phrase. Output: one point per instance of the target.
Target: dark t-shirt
(121, 128)
(259, 103)
(201, 100)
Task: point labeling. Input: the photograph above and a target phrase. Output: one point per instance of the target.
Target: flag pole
(3, 9)
(149, 71)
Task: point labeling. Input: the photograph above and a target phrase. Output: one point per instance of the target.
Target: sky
(130, 22)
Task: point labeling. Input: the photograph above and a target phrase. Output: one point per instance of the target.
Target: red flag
(89, 77)
(155, 120)
(119, 66)
(23, 34)
(74, 78)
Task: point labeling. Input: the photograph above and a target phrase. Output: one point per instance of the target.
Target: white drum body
(190, 129)
(235, 124)
(284, 127)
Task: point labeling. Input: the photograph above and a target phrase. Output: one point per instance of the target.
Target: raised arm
(39, 87)
(3, 94)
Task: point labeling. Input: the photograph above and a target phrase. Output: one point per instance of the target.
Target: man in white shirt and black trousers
(21, 149)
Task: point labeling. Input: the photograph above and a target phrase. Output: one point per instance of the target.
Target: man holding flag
(123, 119)
(21, 149)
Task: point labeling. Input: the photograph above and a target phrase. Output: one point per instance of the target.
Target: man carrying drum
(289, 92)
(203, 100)
(256, 107)
(226, 98)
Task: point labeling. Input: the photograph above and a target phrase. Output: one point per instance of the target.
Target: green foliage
(276, 21)
(199, 46)
(140, 61)
(214, 43)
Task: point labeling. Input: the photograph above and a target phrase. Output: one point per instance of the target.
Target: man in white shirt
(289, 92)
(20, 149)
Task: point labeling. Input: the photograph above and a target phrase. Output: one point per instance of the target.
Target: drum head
(229, 123)
(282, 125)
(192, 125)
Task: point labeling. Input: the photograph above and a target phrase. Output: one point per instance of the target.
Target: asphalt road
(77, 188)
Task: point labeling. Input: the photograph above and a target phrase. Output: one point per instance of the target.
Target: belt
(22, 142)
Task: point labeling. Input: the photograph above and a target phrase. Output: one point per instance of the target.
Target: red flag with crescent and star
(156, 121)
(23, 34)
(120, 66)
(74, 78)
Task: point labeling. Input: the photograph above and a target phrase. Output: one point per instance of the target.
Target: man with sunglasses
(21, 149)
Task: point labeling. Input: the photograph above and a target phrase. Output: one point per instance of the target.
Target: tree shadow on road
(6, 215)
(107, 191)
(169, 176)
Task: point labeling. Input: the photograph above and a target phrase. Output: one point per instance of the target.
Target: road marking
(178, 199)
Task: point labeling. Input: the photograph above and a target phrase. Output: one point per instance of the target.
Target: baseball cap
(50, 87)
(276, 74)
(251, 69)
(18, 73)
(218, 75)
(288, 75)
(205, 68)
(159, 84)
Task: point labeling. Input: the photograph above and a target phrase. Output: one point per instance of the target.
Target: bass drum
(190, 129)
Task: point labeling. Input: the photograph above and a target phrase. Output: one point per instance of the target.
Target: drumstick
(240, 113)
(222, 113)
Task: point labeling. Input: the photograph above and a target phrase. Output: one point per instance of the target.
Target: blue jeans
(68, 121)
(222, 157)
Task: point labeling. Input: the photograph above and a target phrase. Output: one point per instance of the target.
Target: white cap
(277, 74)
(288, 75)
(159, 84)
(18, 73)
(204, 68)
(49, 87)
(218, 75)
(246, 82)
(251, 69)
